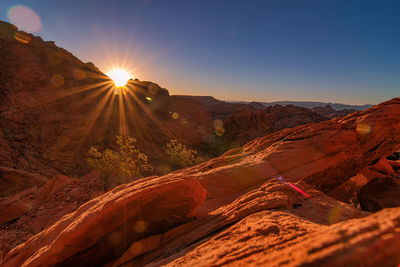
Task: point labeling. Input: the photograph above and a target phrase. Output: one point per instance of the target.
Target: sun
(119, 76)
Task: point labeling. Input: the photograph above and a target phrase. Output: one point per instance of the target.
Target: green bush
(179, 156)
(119, 166)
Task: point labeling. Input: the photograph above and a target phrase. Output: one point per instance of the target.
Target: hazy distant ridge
(311, 104)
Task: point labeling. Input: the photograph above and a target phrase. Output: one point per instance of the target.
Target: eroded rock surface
(380, 193)
(278, 238)
(104, 227)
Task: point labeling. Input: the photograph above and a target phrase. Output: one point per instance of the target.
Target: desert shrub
(179, 156)
(218, 145)
(119, 166)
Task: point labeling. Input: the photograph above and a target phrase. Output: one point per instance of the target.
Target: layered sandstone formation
(265, 203)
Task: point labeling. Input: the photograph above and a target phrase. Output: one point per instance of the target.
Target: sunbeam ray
(48, 97)
(148, 112)
(122, 115)
(91, 121)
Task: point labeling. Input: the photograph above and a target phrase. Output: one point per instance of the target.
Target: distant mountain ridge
(311, 104)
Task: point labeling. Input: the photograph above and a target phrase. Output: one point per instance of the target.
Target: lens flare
(57, 80)
(363, 129)
(79, 74)
(335, 214)
(219, 127)
(24, 18)
(119, 76)
(22, 37)
(305, 194)
(175, 115)
(140, 226)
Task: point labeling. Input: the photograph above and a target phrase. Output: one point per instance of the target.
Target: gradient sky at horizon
(333, 51)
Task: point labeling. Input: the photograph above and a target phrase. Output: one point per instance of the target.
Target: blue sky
(339, 51)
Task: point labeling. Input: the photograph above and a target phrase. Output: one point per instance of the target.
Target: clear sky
(321, 50)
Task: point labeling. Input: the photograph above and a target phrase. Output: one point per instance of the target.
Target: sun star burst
(119, 76)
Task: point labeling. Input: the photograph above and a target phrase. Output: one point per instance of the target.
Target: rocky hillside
(246, 124)
(290, 198)
(220, 109)
(329, 112)
(54, 107)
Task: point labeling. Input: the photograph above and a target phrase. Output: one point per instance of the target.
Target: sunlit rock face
(105, 227)
(55, 107)
(279, 238)
(262, 204)
(39, 101)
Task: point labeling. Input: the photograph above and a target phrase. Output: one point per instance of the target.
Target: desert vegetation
(128, 162)
(179, 156)
(119, 166)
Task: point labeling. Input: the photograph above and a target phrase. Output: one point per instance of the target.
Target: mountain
(312, 104)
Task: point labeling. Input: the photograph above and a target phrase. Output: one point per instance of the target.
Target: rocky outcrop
(219, 109)
(106, 226)
(33, 209)
(329, 112)
(54, 107)
(13, 181)
(279, 238)
(349, 190)
(264, 203)
(380, 193)
(245, 124)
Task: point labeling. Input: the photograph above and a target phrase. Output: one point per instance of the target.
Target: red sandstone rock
(348, 190)
(55, 107)
(13, 181)
(380, 193)
(278, 238)
(245, 184)
(245, 124)
(331, 113)
(34, 209)
(106, 226)
(55, 185)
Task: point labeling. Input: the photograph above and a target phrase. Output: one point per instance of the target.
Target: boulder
(380, 193)
(105, 227)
